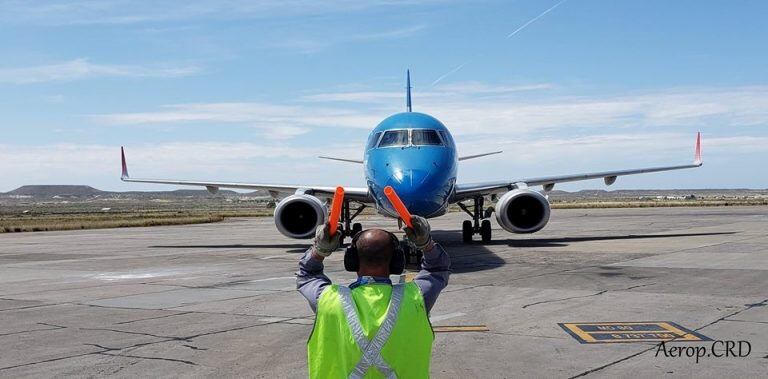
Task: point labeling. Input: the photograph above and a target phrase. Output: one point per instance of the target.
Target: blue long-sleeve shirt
(433, 277)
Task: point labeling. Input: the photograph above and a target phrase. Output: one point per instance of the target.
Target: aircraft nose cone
(417, 190)
(410, 179)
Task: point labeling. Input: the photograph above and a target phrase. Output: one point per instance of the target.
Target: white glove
(325, 244)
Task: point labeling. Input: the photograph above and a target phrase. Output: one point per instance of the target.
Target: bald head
(375, 249)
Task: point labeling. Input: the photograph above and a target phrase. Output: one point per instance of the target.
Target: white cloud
(477, 109)
(87, 12)
(315, 41)
(256, 114)
(82, 68)
(283, 132)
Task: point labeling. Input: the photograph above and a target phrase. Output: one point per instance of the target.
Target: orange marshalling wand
(333, 219)
(390, 193)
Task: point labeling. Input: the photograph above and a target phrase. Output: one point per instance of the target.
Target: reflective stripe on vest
(333, 350)
(371, 348)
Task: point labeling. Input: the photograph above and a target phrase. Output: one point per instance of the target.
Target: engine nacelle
(297, 216)
(522, 211)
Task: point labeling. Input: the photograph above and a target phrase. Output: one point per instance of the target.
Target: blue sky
(253, 90)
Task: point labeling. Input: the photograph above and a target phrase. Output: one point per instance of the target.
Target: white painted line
(434, 319)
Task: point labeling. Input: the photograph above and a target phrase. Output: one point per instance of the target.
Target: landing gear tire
(485, 230)
(356, 228)
(466, 231)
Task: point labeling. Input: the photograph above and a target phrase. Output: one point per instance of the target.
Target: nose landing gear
(349, 229)
(478, 224)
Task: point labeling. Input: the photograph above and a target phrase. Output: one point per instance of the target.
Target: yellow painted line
(584, 335)
(460, 328)
(617, 323)
(636, 332)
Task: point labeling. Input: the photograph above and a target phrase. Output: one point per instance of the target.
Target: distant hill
(603, 194)
(85, 192)
(55, 190)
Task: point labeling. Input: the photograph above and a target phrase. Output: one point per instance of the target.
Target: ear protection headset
(396, 264)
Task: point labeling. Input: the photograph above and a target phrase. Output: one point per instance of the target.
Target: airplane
(415, 154)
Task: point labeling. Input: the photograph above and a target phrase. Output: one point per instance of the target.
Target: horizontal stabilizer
(464, 158)
(341, 159)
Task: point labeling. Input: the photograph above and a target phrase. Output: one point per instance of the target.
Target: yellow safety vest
(389, 322)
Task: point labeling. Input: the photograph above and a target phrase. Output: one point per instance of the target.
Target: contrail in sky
(531, 21)
(457, 68)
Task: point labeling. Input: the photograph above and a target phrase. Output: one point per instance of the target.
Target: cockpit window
(421, 137)
(373, 140)
(394, 138)
(446, 140)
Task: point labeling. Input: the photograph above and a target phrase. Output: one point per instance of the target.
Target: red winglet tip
(697, 158)
(124, 175)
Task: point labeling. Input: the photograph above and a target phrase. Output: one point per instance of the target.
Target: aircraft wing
(465, 191)
(359, 194)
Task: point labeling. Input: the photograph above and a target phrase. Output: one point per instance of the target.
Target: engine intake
(522, 211)
(297, 216)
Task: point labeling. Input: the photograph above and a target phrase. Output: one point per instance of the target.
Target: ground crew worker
(372, 328)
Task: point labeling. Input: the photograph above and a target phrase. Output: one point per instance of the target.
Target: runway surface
(219, 299)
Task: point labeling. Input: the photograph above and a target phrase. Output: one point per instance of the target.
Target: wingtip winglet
(124, 174)
(697, 157)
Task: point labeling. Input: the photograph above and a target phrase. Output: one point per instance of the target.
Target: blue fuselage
(422, 173)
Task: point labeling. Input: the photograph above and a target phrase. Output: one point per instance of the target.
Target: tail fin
(408, 91)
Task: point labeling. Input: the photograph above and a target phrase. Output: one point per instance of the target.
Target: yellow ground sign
(643, 331)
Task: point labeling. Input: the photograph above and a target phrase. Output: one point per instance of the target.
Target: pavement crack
(44, 361)
(194, 347)
(28, 307)
(564, 299)
(637, 286)
(593, 370)
(747, 321)
(152, 358)
(54, 325)
(135, 333)
(105, 348)
(520, 278)
(151, 318)
(747, 307)
(583, 296)
(27, 331)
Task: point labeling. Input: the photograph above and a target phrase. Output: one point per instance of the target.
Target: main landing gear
(479, 223)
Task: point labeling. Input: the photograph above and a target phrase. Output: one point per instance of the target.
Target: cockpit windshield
(421, 137)
(394, 138)
(373, 140)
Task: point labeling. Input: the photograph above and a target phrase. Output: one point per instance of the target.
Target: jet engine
(522, 211)
(297, 216)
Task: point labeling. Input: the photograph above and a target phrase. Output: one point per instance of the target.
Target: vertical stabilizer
(408, 91)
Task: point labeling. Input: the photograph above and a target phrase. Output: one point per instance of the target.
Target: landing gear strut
(478, 224)
(347, 216)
